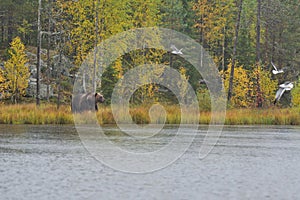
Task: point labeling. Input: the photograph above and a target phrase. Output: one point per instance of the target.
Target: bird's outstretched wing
(274, 66)
(279, 93)
(287, 85)
(174, 48)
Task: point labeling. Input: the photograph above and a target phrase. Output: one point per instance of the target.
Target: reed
(49, 114)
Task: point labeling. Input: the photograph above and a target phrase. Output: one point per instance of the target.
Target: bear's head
(99, 98)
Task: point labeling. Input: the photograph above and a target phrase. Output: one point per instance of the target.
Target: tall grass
(271, 116)
(31, 114)
(49, 114)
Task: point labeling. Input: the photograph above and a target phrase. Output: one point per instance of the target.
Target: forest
(44, 43)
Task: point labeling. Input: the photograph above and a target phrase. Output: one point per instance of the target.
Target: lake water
(248, 162)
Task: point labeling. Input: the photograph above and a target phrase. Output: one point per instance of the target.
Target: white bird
(175, 50)
(275, 70)
(282, 88)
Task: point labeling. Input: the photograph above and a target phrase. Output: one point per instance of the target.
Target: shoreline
(48, 114)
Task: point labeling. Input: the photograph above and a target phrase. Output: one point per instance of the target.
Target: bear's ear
(96, 94)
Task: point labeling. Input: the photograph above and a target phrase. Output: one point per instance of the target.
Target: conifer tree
(16, 71)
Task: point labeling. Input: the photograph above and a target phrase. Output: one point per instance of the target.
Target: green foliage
(14, 14)
(25, 29)
(247, 34)
(296, 94)
(173, 14)
(204, 99)
(109, 79)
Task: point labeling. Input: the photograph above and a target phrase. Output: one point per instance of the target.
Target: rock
(31, 90)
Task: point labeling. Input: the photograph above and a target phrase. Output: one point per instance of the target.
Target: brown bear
(86, 102)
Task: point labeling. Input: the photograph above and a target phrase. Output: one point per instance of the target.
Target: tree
(258, 59)
(86, 24)
(258, 14)
(246, 45)
(173, 14)
(296, 94)
(267, 86)
(214, 24)
(183, 85)
(237, 27)
(16, 71)
(2, 83)
(145, 13)
(244, 92)
(38, 56)
(241, 86)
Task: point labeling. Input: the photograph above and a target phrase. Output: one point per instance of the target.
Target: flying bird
(275, 70)
(282, 88)
(175, 50)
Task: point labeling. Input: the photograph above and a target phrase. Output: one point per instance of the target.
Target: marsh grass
(271, 116)
(49, 114)
(31, 114)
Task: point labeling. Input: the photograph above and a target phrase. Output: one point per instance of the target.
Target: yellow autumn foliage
(267, 85)
(16, 71)
(2, 83)
(241, 86)
(245, 86)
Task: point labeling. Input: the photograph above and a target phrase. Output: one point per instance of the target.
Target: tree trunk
(258, 59)
(60, 69)
(202, 49)
(267, 51)
(16, 91)
(223, 49)
(10, 24)
(48, 50)
(2, 15)
(237, 27)
(258, 31)
(201, 42)
(96, 43)
(38, 55)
